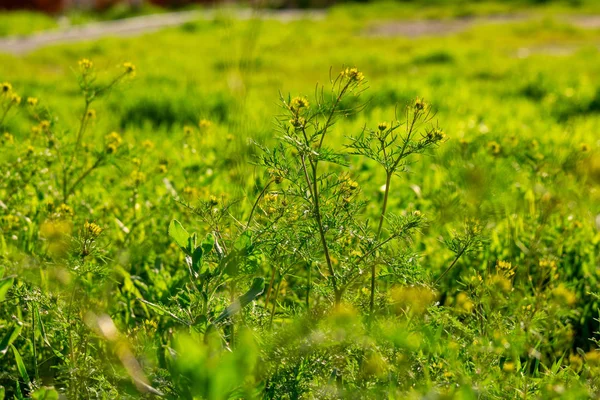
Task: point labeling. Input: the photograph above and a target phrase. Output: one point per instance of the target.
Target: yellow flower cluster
(85, 65)
(298, 103)
(353, 75)
(129, 69)
(113, 141)
(92, 229)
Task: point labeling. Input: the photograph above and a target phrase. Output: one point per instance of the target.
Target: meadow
(320, 208)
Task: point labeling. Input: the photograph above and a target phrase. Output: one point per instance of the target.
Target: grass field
(424, 226)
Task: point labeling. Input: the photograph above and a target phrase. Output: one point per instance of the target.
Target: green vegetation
(230, 209)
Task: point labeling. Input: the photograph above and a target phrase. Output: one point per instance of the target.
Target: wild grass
(241, 219)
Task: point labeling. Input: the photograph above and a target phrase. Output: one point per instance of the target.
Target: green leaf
(2, 392)
(256, 289)
(178, 233)
(20, 365)
(45, 394)
(197, 259)
(5, 284)
(10, 337)
(208, 243)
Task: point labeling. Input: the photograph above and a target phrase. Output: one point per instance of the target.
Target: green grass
(522, 158)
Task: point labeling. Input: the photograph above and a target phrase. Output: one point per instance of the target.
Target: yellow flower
(188, 130)
(508, 367)
(129, 68)
(111, 148)
(90, 114)
(419, 104)
(92, 229)
(494, 147)
(148, 144)
(213, 201)
(162, 169)
(85, 64)
(15, 98)
(353, 75)
(45, 125)
(564, 295)
(463, 302)
(138, 177)
(113, 138)
(6, 88)
(204, 124)
(64, 209)
(382, 126)
(298, 103)
(584, 147)
(7, 138)
(32, 101)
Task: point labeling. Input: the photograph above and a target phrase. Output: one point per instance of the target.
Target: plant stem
(458, 255)
(262, 193)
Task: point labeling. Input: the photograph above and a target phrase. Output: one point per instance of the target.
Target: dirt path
(135, 26)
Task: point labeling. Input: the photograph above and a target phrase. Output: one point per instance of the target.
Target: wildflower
(138, 177)
(113, 138)
(564, 295)
(30, 150)
(32, 101)
(129, 69)
(508, 367)
(298, 122)
(298, 103)
(382, 126)
(584, 147)
(90, 114)
(162, 169)
(15, 98)
(419, 104)
(65, 210)
(6, 88)
(92, 229)
(44, 125)
(229, 137)
(35, 130)
(436, 135)
(204, 124)
(576, 362)
(463, 302)
(85, 64)
(7, 138)
(188, 130)
(136, 161)
(417, 299)
(494, 147)
(111, 148)
(353, 75)
(505, 268)
(190, 191)
(148, 144)
(213, 201)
